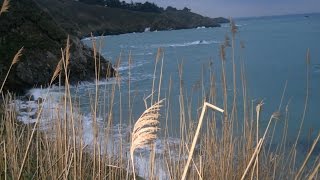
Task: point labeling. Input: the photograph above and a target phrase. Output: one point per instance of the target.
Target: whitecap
(227, 25)
(240, 25)
(143, 54)
(86, 84)
(201, 27)
(193, 43)
(91, 38)
(147, 29)
(125, 66)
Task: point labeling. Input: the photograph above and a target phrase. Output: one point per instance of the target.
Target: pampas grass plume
(16, 58)
(57, 71)
(144, 130)
(5, 6)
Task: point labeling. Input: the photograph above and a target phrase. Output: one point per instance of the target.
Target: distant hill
(82, 18)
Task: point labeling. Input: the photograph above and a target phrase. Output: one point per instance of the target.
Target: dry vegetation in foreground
(26, 152)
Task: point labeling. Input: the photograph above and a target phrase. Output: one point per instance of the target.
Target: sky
(242, 8)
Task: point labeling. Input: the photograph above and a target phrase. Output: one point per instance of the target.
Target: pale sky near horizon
(242, 8)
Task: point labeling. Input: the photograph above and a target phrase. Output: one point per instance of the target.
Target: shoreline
(150, 31)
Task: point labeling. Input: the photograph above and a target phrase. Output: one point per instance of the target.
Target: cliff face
(27, 25)
(81, 19)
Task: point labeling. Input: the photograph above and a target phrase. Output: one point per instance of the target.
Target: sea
(279, 56)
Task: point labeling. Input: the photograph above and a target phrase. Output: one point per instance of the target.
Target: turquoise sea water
(274, 55)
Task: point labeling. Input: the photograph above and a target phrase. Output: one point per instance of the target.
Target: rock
(27, 25)
(82, 64)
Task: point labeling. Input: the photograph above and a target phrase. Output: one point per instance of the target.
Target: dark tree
(113, 3)
(143, 7)
(170, 8)
(93, 2)
(186, 9)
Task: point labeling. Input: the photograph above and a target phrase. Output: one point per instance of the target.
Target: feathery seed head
(17, 56)
(5, 6)
(57, 71)
(144, 130)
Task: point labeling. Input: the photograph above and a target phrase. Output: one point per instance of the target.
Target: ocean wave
(193, 43)
(123, 78)
(143, 54)
(201, 27)
(168, 45)
(94, 83)
(92, 38)
(118, 139)
(41, 104)
(227, 25)
(125, 65)
(86, 39)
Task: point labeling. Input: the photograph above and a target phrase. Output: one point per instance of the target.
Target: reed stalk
(15, 60)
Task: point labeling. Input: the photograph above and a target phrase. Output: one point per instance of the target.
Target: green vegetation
(82, 19)
(141, 7)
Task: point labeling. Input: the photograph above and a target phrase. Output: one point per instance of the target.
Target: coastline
(151, 31)
(69, 146)
(100, 20)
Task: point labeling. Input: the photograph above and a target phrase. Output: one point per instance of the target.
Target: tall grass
(222, 150)
(15, 60)
(5, 6)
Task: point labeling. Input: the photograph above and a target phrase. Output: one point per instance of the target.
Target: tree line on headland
(137, 6)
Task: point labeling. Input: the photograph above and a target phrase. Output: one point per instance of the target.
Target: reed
(205, 105)
(5, 6)
(55, 147)
(144, 130)
(15, 60)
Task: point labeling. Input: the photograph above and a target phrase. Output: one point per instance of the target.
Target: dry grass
(194, 141)
(15, 60)
(144, 130)
(221, 150)
(5, 6)
(57, 71)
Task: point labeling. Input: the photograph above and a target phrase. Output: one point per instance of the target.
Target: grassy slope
(82, 19)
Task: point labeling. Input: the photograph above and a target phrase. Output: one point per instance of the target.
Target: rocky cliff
(27, 25)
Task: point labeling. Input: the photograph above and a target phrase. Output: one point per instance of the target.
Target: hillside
(26, 25)
(42, 27)
(81, 19)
